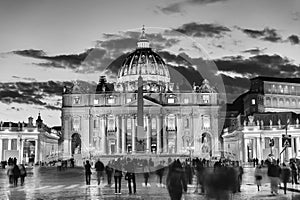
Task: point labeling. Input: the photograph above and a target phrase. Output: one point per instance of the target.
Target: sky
(46, 44)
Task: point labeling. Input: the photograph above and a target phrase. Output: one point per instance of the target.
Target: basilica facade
(143, 113)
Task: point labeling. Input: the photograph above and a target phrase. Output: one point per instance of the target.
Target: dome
(144, 62)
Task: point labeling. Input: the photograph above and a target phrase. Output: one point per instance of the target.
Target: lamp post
(21, 149)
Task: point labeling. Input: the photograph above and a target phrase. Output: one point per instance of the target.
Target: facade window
(206, 122)
(14, 144)
(287, 102)
(153, 121)
(294, 103)
(171, 100)
(186, 100)
(76, 123)
(186, 123)
(268, 101)
(5, 144)
(128, 100)
(111, 100)
(280, 89)
(129, 123)
(96, 101)
(205, 98)
(96, 123)
(253, 102)
(280, 102)
(228, 146)
(286, 89)
(76, 100)
(171, 122)
(273, 88)
(111, 123)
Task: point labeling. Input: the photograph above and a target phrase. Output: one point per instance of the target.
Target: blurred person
(10, 174)
(23, 173)
(117, 176)
(176, 182)
(274, 172)
(146, 173)
(285, 176)
(88, 172)
(294, 169)
(130, 175)
(258, 176)
(99, 166)
(16, 174)
(160, 172)
(109, 171)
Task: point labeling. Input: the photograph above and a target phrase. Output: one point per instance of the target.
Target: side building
(28, 142)
(266, 121)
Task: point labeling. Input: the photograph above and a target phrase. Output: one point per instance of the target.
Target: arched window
(294, 103)
(287, 102)
(280, 102)
(275, 102)
(268, 101)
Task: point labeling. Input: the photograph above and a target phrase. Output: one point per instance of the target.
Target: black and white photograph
(149, 99)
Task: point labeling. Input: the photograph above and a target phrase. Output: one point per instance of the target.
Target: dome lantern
(143, 42)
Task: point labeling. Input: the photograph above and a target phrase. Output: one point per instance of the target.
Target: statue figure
(250, 118)
(262, 123)
(257, 122)
(271, 123)
(297, 121)
(245, 123)
(279, 122)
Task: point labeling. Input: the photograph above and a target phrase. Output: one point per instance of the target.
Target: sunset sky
(46, 43)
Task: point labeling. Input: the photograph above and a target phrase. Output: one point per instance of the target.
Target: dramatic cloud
(36, 93)
(266, 34)
(294, 39)
(177, 7)
(203, 30)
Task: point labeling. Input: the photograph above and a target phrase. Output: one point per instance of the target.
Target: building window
(186, 123)
(206, 122)
(286, 89)
(76, 100)
(186, 100)
(96, 123)
(128, 123)
(111, 123)
(76, 123)
(253, 101)
(153, 123)
(171, 100)
(96, 101)
(14, 144)
(205, 98)
(171, 122)
(280, 89)
(111, 100)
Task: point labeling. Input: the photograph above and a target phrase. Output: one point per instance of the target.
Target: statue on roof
(206, 87)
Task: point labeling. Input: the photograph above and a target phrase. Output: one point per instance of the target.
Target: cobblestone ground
(48, 183)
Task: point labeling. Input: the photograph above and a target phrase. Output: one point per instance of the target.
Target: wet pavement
(45, 183)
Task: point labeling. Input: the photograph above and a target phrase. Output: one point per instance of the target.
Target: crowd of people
(221, 178)
(277, 173)
(14, 172)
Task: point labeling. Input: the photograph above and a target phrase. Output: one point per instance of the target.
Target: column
(118, 134)
(297, 146)
(103, 134)
(280, 149)
(35, 151)
(254, 147)
(98, 133)
(258, 149)
(165, 132)
(123, 132)
(292, 148)
(1, 150)
(245, 150)
(148, 134)
(91, 130)
(9, 144)
(158, 134)
(179, 133)
(133, 134)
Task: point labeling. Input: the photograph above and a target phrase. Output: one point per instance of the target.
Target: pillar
(165, 137)
(133, 134)
(280, 148)
(245, 150)
(91, 130)
(297, 146)
(1, 150)
(148, 134)
(254, 147)
(36, 151)
(258, 148)
(103, 134)
(118, 134)
(158, 134)
(123, 133)
(9, 144)
(179, 134)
